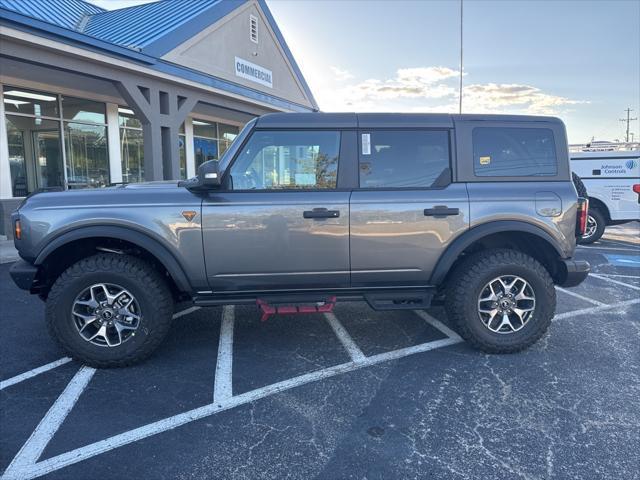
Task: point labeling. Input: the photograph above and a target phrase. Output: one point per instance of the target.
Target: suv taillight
(583, 213)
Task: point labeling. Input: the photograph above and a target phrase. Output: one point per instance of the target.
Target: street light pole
(461, 57)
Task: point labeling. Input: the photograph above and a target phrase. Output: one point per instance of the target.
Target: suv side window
(514, 152)
(283, 160)
(403, 158)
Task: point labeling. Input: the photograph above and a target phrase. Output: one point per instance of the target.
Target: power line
(628, 121)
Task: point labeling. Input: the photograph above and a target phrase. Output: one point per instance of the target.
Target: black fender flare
(455, 249)
(142, 240)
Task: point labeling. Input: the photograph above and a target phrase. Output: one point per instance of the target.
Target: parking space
(353, 394)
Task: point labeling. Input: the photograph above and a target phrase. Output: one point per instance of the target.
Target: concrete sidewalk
(8, 253)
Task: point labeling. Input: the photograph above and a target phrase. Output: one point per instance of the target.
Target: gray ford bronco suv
(477, 212)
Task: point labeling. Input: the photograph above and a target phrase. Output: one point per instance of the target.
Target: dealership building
(94, 97)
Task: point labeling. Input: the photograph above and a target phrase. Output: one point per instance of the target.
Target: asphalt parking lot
(358, 394)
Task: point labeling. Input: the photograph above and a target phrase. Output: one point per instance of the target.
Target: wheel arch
(519, 235)
(91, 236)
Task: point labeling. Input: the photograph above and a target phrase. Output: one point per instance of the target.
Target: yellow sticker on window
(485, 160)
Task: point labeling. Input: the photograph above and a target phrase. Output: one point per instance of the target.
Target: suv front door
(279, 222)
(406, 211)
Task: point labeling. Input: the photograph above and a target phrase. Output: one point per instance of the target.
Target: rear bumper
(23, 274)
(573, 272)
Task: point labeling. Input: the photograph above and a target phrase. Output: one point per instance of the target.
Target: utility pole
(628, 120)
(461, 64)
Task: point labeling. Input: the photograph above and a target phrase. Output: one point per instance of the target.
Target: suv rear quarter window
(514, 152)
(403, 158)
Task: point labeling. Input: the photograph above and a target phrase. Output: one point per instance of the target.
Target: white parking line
(603, 308)
(49, 425)
(347, 342)
(434, 322)
(32, 373)
(611, 280)
(616, 275)
(581, 297)
(50, 366)
(618, 242)
(184, 312)
(223, 381)
(69, 458)
(585, 247)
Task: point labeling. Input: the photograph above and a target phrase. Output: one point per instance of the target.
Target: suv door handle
(441, 211)
(321, 213)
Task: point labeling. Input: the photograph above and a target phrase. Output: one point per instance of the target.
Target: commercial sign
(253, 72)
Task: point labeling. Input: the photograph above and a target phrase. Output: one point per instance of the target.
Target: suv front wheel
(500, 301)
(109, 310)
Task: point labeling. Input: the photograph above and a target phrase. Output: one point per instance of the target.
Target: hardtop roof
(382, 120)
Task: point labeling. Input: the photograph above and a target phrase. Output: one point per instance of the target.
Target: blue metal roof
(66, 13)
(141, 25)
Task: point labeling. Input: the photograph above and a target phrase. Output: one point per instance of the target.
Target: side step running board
(268, 309)
(399, 300)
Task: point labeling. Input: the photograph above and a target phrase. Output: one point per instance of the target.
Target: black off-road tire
(464, 288)
(601, 222)
(133, 274)
(579, 184)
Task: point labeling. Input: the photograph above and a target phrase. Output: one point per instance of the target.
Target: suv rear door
(406, 210)
(280, 221)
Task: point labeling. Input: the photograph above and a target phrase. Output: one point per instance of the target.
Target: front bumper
(23, 274)
(573, 272)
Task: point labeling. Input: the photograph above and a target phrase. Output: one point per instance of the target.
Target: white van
(612, 180)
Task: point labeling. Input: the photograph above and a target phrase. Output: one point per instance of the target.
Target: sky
(575, 59)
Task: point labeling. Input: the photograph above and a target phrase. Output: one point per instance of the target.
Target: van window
(514, 152)
(281, 160)
(403, 158)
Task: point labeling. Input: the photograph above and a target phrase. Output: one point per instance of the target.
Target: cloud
(408, 83)
(491, 97)
(341, 74)
(435, 89)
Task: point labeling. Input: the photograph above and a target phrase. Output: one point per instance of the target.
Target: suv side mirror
(209, 174)
(207, 178)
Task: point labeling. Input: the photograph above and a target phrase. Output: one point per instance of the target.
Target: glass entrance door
(48, 158)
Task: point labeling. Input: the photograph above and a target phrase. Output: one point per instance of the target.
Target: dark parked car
(394, 209)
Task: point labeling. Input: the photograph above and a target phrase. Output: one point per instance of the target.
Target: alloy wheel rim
(592, 226)
(106, 315)
(506, 304)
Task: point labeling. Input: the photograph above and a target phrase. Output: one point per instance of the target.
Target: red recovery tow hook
(268, 309)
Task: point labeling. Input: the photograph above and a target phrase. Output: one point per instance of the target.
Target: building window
(211, 139)
(81, 110)
(131, 146)
(253, 28)
(87, 155)
(36, 122)
(85, 135)
(29, 102)
(34, 140)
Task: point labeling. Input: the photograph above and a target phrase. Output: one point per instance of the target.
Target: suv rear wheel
(501, 301)
(109, 310)
(596, 224)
